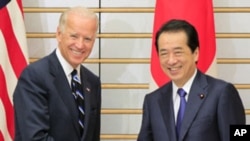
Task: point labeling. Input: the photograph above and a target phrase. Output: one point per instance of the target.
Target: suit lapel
(63, 89)
(194, 102)
(167, 111)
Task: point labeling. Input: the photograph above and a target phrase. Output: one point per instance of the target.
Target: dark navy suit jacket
(45, 109)
(206, 118)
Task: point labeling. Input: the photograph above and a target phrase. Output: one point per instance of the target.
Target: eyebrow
(163, 49)
(175, 48)
(178, 48)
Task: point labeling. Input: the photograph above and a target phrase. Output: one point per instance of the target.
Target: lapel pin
(202, 96)
(88, 89)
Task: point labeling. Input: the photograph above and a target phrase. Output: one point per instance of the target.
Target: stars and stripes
(13, 59)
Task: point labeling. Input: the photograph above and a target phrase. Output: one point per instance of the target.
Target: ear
(196, 54)
(58, 34)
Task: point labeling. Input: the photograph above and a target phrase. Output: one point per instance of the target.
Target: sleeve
(31, 108)
(230, 111)
(98, 122)
(145, 133)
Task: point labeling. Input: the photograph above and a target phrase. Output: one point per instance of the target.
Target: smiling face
(76, 38)
(176, 58)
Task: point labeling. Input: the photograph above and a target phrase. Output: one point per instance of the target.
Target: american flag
(13, 59)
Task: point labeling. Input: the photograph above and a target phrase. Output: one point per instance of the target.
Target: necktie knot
(181, 92)
(75, 76)
(74, 72)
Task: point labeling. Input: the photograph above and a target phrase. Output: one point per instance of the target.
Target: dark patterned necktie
(181, 111)
(79, 97)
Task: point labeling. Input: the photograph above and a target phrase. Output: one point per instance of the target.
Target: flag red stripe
(1, 136)
(9, 112)
(16, 56)
(19, 2)
(200, 14)
(20, 5)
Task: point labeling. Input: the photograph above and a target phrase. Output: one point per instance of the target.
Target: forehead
(81, 24)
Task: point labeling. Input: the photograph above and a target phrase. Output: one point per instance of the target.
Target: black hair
(176, 25)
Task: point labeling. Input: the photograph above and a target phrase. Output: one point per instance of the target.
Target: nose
(172, 59)
(80, 42)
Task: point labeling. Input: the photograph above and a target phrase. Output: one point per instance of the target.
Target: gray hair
(81, 11)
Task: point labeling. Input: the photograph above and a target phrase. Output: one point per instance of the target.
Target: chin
(174, 78)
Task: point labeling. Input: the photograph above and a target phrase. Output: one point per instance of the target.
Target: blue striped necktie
(77, 91)
(181, 111)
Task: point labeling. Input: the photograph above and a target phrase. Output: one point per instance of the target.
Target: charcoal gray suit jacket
(212, 106)
(45, 109)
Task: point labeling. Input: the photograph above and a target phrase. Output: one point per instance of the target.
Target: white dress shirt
(176, 97)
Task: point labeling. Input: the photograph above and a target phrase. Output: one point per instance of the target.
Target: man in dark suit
(210, 105)
(46, 109)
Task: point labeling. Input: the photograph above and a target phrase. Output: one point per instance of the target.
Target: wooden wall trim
(136, 111)
(147, 60)
(133, 35)
(128, 10)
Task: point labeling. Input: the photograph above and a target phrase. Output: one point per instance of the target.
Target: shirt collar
(65, 65)
(186, 86)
